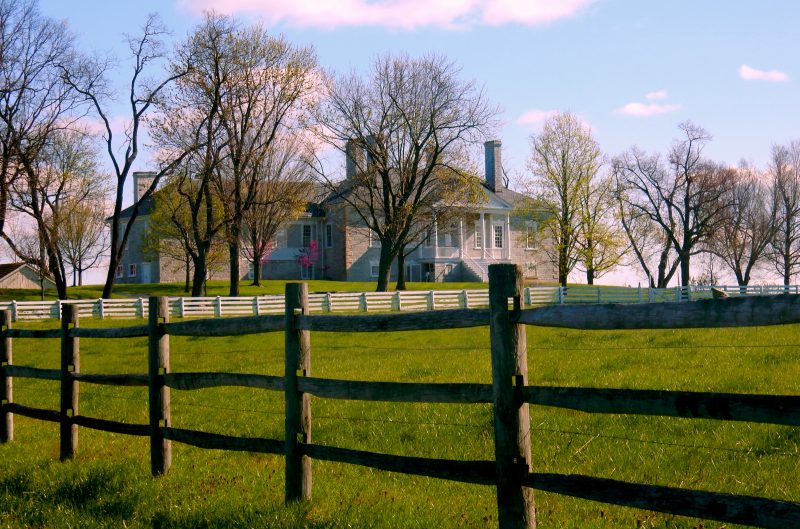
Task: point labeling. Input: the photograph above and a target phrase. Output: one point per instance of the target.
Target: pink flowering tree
(309, 255)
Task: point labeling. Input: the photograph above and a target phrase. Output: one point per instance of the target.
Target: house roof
(7, 269)
(145, 208)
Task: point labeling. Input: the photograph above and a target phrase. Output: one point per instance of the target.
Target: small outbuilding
(21, 275)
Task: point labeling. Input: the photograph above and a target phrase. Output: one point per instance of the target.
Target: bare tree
(748, 225)
(784, 171)
(284, 189)
(82, 236)
(685, 198)
(35, 106)
(62, 177)
(405, 130)
(649, 240)
(89, 78)
(564, 160)
(267, 84)
(601, 243)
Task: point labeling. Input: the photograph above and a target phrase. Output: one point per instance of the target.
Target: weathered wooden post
(70, 364)
(298, 405)
(515, 503)
(6, 386)
(157, 367)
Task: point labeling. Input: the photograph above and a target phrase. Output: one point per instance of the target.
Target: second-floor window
(280, 238)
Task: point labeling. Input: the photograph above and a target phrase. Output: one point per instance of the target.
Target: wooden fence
(511, 395)
(405, 301)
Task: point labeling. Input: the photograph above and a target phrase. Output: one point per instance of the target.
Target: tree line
(239, 123)
(657, 211)
(236, 118)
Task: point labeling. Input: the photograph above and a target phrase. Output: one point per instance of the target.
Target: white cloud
(751, 74)
(535, 117)
(402, 14)
(658, 94)
(647, 109)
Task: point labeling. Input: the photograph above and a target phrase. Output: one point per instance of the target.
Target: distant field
(220, 288)
(108, 485)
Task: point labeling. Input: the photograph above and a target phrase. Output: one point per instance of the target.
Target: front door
(144, 274)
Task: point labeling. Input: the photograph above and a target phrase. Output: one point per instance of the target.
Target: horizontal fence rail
(400, 301)
(509, 393)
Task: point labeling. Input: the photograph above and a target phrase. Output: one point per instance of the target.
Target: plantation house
(330, 241)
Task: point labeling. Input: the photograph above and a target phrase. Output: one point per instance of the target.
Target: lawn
(108, 484)
(220, 288)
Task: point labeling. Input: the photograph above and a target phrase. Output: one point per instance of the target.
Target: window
(280, 238)
(478, 235)
(531, 235)
(306, 242)
(329, 236)
(119, 271)
(374, 241)
(250, 271)
(530, 270)
(448, 268)
(498, 235)
(132, 270)
(428, 238)
(373, 268)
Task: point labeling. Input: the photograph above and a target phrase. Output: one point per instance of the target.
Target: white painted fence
(409, 300)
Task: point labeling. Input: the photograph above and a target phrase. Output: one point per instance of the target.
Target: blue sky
(592, 58)
(631, 69)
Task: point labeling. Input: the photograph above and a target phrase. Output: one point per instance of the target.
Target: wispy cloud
(658, 94)
(400, 14)
(647, 109)
(535, 117)
(752, 74)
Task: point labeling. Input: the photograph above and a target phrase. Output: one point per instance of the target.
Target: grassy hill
(220, 288)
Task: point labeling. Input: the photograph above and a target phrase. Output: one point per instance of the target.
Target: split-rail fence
(510, 472)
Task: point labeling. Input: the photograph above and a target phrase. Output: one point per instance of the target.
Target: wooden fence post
(298, 405)
(157, 367)
(70, 364)
(515, 503)
(6, 393)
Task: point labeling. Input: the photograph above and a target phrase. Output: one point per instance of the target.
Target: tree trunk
(562, 267)
(187, 278)
(589, 276)
(257, 272)
(199, 277)
(384, 269)
(233, 255)
(401, 270)
(684, 269)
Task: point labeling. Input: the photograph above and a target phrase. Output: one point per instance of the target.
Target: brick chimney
(494, 166)
(142, 180)
(354, 157)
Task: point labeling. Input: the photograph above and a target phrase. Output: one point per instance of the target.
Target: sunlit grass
(108, 484)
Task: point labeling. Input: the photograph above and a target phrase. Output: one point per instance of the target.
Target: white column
(435, 237)
(460, 237)
(508, 236)
(483, 235)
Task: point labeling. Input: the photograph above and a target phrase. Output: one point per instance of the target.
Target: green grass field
(220, 288)
(108, 484)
